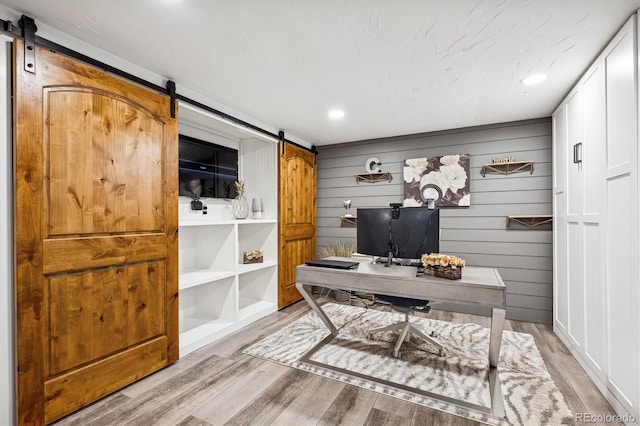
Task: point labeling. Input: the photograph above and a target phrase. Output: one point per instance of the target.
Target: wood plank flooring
(219, 385)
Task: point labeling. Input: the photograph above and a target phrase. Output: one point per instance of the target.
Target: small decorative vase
(240, 207)
(256, 208)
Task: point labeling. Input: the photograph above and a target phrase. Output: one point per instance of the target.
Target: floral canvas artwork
(444, 179)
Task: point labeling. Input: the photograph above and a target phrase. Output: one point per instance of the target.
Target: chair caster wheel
(397, 355)
(441, 353)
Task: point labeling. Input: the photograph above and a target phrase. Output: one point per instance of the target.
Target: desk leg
(495, 391)
(495, 340)
(305, 291)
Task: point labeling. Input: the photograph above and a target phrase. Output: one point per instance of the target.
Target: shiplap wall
(477, 233)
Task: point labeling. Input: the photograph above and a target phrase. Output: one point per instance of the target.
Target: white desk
(478, 286)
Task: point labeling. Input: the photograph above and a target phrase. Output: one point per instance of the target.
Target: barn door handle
(577, 153)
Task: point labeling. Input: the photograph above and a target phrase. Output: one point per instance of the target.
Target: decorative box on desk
(252, 256)
(443, 266)
(443, 272)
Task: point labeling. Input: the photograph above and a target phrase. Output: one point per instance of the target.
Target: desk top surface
(479, 285)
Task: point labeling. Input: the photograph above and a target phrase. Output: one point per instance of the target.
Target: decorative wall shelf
(507, 168)
(530, 221)
(373, 177)
(349, 220)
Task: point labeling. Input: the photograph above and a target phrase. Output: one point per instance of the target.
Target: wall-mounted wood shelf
(348, 220)
(530, 221)
(507, 168)
(373, 177)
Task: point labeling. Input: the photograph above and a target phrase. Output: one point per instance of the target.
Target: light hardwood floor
(219, 385)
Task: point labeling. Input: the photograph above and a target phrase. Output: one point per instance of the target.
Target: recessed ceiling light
(336, 114)
(534, 79)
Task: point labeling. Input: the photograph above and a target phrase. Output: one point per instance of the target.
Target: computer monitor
(399, 232)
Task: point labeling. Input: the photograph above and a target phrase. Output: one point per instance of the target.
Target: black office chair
(406, 305)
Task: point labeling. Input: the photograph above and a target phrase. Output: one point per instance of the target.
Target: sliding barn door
(297, 220)
(96, 244)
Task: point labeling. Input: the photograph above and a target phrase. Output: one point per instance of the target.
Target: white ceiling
(395, 67)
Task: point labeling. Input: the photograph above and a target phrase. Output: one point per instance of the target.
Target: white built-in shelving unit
(218, 293)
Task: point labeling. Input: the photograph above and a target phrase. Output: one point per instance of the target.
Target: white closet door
(575, 139)
(574, 189)
(560, 297)
(593, 92)
(621, 195)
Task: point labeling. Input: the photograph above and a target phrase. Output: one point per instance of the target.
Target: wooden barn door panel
(96, 224)
(112, 181)
(122, 304)
(297, 219)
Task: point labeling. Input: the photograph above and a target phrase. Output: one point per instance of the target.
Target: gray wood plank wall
(477, 233)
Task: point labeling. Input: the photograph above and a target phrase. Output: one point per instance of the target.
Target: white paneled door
(621, 177)
(560, 298)
(593, 150)
(596, 233)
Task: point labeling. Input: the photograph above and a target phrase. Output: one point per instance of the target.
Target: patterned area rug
(530, 395)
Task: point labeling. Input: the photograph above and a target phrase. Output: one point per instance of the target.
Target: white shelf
(194, 278)
(202, 221)
(191, 327)
(255, 308)
(250, 267)
(205, 222)
(196, 332)
(255, 221)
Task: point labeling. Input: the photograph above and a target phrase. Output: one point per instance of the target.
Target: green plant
(340, 248)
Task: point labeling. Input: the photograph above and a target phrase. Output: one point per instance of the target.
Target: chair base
(405, 328)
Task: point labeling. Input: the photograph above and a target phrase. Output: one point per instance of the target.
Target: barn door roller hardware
(282, 140)
(29, 29)
(171, 91)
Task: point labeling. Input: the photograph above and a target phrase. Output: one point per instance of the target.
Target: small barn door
(96, 234)
(297, 220)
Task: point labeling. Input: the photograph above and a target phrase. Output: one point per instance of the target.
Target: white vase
(240, 207)
(256, 208)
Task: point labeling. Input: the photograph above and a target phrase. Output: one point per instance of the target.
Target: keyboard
(335, 264)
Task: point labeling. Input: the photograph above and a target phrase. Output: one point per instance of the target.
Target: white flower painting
(444, 179)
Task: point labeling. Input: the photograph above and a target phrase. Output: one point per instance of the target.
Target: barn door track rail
(27, 29)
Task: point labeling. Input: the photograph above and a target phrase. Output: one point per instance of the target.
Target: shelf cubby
(206, 311)
(257, 291)
(257, 236)
(198, 262)
(197, 244)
